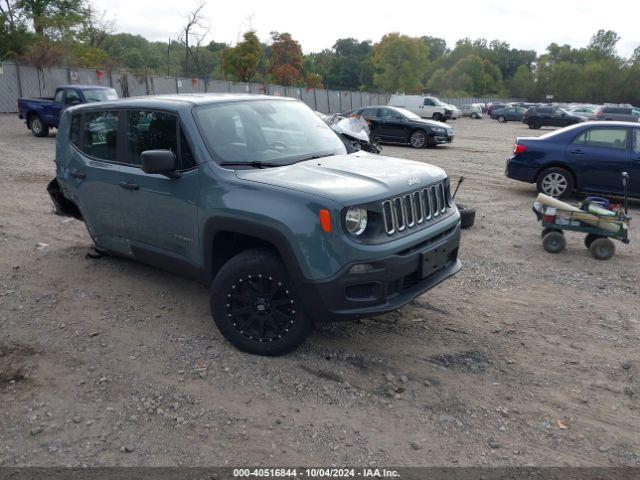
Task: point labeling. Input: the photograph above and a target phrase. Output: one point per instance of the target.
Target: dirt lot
(524, 358)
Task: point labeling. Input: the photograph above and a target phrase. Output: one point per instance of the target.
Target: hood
(432, 123)
(349, 179)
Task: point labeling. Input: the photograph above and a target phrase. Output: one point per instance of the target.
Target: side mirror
(163, 162)
(75, 101)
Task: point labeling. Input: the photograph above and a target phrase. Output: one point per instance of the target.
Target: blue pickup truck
(41, 114)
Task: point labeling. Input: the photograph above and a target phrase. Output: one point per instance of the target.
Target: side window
(74, 131)
(72, 98)
(101, 135)
(636, 140)
(59, 98)
(369, 113)
(428, 102)
(615, 138)
(150, 130)
(384, 113)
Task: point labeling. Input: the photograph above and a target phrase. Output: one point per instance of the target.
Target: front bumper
(395, 280)
(443, 138)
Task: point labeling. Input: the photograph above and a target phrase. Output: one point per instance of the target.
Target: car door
(598, 157)
(427, 108)
(92, 176)
(392, 124)
(160, 213)
(54, 109)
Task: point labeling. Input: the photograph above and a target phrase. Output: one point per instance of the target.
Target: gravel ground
(524, 358)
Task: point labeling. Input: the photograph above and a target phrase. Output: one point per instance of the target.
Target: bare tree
(193, 35)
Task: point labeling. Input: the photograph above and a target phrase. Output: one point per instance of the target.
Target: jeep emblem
(413, 181)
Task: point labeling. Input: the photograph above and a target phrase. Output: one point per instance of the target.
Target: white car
(423, 106)
(471, 110)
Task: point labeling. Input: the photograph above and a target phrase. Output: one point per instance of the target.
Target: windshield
(274, 132)
(100, 95)
(407, 113)
(438, 102)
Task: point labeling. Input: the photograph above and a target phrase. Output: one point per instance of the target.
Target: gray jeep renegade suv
(259, 199)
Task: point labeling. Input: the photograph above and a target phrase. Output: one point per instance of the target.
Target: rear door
(93, 175)
(598, 156)
(160, 213)
(371, 116)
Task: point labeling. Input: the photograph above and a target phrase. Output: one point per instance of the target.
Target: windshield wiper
(253, 163)
(315, 157)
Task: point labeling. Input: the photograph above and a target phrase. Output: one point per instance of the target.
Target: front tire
(501, 119)
(555, 182)
(602, 248)
(437, 117)
(255, 306)
(38, 127)
(418, 139)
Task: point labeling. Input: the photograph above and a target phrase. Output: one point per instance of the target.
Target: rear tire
(255, 306)
(588, 240)
(602, 248)
(554, 242)
(555, 182)
(38, 127)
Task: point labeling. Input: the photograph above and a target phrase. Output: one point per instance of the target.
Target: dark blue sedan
(587, 157)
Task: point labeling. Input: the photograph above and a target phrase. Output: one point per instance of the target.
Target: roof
(163, 101)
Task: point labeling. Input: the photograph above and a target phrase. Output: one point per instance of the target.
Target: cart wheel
(554, 242)
(602, 248)
(588, 240)
(548, 230)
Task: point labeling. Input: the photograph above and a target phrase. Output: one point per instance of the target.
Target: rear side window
(615, 138)
(74, 131)
(636, 140)
(101, 135)
(369, 112)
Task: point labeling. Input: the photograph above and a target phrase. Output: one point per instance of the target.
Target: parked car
(550, 116)
(257, 198)
(624, 114)
(399, 125)
(584, 110)
(471, 110)
(424, 107)
(41, 114)
(455, 112)
(586, 157)
(513, 114)
(496, 106)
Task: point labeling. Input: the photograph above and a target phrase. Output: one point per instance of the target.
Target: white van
(425, 107)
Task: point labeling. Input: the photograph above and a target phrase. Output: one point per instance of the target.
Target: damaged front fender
(63, 206)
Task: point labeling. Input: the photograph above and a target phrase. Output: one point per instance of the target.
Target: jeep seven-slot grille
(414, 208)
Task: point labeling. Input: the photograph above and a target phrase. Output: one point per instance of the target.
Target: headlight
(356, 220)
(438, 130)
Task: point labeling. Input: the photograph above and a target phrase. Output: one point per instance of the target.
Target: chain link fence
(18, 81)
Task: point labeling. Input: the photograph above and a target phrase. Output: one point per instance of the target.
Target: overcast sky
(316, 25)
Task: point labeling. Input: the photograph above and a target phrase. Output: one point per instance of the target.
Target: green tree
(56, 19)
(400, 62)
(522, 85)
(241, 62)
(603, 43)
(286, 59)
(437, 47)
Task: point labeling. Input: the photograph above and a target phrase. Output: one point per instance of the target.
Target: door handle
(78, 174)
(577, 152)
(129, 186)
